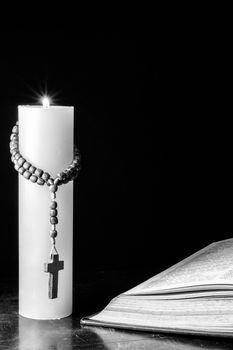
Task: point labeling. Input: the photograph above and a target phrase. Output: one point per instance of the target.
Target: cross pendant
(53, 267)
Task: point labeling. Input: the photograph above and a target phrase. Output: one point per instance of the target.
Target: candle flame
(45, 102)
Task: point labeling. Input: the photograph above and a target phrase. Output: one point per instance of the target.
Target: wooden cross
(53, 268)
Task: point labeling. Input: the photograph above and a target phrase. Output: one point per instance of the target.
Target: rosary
(30, 172)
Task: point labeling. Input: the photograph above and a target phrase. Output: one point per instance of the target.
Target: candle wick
(45, 102)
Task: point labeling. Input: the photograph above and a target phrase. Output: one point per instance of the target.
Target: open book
(193, 296)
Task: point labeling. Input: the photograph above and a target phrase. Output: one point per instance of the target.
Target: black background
(153, 123)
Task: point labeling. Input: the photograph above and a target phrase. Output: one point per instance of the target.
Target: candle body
(46, 141)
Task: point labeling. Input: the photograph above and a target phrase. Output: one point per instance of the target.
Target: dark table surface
(91, 294)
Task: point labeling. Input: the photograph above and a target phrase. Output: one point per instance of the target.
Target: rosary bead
(73, 170)
(53, 212)
(13, 137)
(60, 175)
(21, 170)
(38, 172)
(33, 178)
(76, 164)
(50, 182)
(40, 181)
(17, 166)
(57, 181)
(77, 156)
(69, 171)
(15, 129)
(76, 170)
(13, 149)
(15, 161)
(67, 174)
(21, 161)
(59, 178)
(53, 188)
(26, 165)
(13, 144)
(53, 233)
(64, 177)
(53, 195)
(45, 176)
(27, 174)
(32, 169)
(53, 220)
(17, 156)
(53, 205)
(14, 153)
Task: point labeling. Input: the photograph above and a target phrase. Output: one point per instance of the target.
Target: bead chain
(36, 175)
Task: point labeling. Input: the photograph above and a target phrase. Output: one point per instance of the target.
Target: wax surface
(46, 141)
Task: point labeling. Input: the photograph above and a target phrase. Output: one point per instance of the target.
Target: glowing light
(45, 102)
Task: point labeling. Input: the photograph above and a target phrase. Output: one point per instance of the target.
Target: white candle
(46, 141)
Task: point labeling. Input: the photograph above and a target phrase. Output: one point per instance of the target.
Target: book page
(204, 314)
(213, 265)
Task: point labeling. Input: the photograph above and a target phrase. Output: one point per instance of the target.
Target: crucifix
(53, 268)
